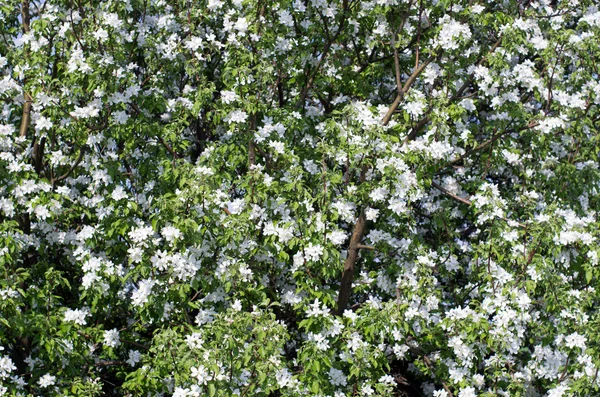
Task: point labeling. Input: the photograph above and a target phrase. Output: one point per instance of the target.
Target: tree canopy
(299, 198)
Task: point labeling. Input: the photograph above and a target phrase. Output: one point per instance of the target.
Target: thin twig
(169, 148)
(75, 164)
(109, 363)
(365, 247)
(430, 366)
(451, 195)
(130, 342)
(489, 142)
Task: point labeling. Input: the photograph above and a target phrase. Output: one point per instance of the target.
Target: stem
(66, 175)
(451, 195)
(403, 91)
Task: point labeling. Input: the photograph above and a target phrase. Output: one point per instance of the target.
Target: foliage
(299, 198)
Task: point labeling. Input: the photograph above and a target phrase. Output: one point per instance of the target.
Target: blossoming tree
(299, 198)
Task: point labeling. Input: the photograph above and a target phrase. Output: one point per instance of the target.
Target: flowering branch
(72, 168)
(450, 194)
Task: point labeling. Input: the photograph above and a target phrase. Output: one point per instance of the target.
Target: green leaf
(315, 387)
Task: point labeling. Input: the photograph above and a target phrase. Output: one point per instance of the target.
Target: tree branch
(130, 342)
(451, 195)
(38, 155)
(25, 119)
(396, 57)
(349, 264)
(365, 247)
(413, 133)
(430, 366)
(404, 90)
(109, 363)
(169, 148)
(487, 143)
(75, 164)
(328, 44)
(25, 16)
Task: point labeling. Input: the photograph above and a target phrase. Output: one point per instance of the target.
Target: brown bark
(169, 148)
(409, 82)
(75, 164)
(25, 16)
(38, 155)
(350, 263)
(25, 118)
(360, 226)
(450, 194)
